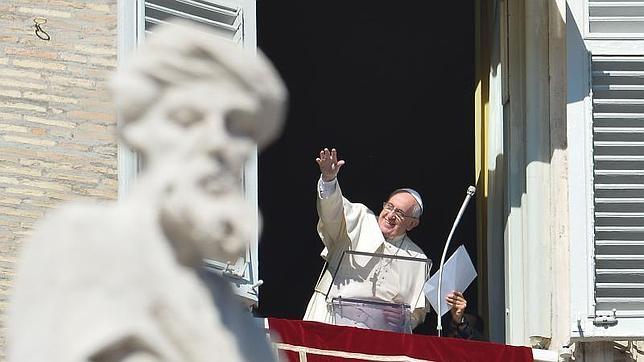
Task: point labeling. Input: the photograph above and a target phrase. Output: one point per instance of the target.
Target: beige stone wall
(57, 125)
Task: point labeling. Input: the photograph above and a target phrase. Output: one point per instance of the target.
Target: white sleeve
(325, 189)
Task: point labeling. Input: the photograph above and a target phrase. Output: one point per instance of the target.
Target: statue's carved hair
(198, 55)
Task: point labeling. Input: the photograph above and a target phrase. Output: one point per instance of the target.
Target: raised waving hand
(329, 164)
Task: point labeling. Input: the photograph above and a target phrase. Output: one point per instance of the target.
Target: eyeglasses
(398, 214)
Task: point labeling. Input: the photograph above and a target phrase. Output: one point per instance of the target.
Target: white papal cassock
(344, 225)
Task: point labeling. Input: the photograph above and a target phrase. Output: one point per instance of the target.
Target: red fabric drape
(329, 339)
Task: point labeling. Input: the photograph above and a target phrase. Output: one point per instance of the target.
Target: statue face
(191, 135)
(194, 139)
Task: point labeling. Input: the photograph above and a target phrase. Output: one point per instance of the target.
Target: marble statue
(121, 281)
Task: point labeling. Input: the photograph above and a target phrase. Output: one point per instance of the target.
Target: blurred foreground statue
(120, 282)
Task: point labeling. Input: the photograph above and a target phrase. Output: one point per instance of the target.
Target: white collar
(397, 241)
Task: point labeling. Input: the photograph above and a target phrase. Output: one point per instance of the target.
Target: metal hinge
(236, 270)
(606, 319)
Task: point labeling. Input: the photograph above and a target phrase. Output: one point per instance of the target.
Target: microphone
(470, 192)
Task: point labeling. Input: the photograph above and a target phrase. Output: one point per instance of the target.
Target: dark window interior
(391, 86)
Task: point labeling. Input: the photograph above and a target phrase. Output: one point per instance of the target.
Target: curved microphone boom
(470, 192)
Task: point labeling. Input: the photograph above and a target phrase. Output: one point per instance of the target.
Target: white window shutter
(616, 17)
(618, 194)
(618, 138)
(605, 120)
(234, 20)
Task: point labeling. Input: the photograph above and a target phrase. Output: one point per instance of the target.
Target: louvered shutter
(613, 17)
(618, 179)
(225, 20)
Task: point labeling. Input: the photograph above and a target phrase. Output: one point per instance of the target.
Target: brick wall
(57, 125)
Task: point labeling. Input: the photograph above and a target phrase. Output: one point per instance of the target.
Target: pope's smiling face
(394, 219)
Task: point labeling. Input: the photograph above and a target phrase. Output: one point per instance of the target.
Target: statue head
(187, 88)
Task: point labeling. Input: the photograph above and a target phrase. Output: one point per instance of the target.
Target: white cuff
(325, 189)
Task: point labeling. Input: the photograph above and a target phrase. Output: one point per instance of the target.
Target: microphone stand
(470, 192)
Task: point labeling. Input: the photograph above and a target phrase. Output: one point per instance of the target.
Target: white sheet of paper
(458, 273)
